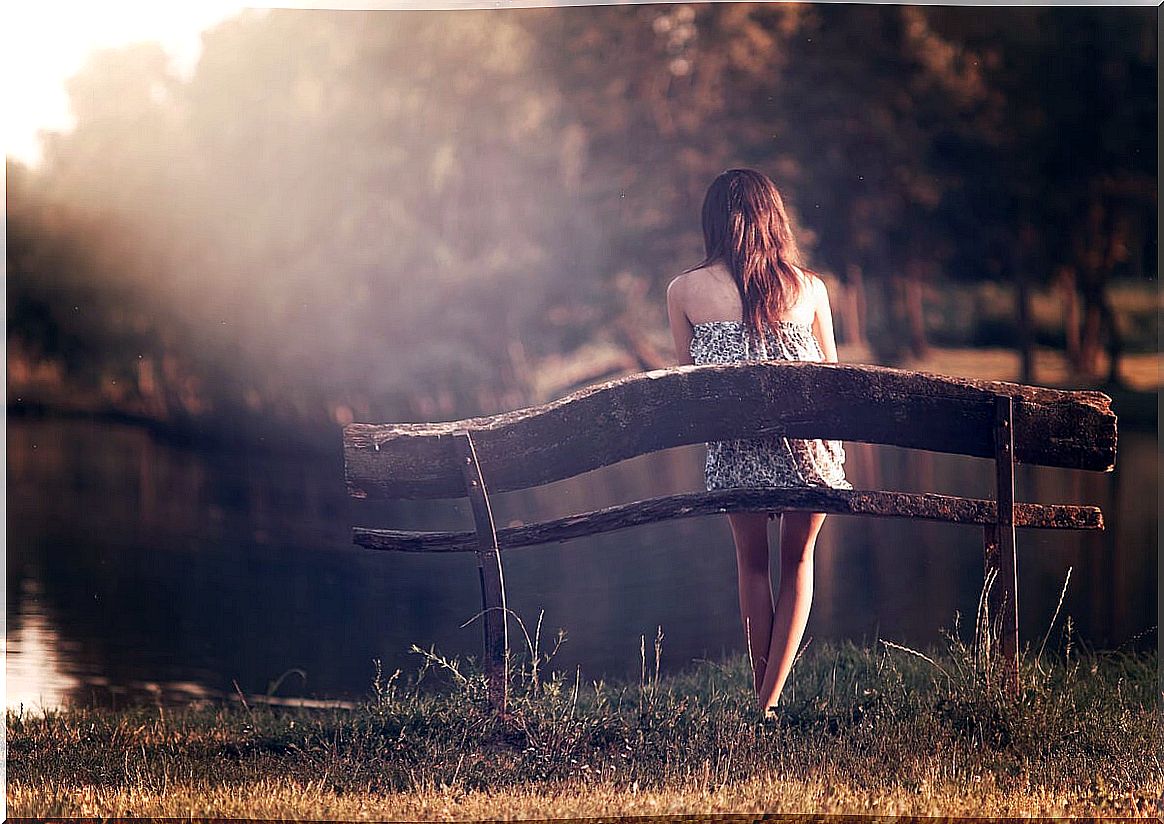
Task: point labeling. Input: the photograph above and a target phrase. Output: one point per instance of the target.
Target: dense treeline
(384, 215)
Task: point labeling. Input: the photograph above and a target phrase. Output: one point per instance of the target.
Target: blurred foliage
(395, 215)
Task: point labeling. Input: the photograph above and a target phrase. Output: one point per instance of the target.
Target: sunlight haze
(44, 44)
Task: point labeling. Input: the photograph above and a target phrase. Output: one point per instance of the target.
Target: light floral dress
(770, 460)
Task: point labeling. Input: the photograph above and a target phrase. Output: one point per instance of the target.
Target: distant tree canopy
(357, 209)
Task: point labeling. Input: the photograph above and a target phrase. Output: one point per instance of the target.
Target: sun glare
(43, 44)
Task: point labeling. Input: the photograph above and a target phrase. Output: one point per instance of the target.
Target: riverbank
(872, 730)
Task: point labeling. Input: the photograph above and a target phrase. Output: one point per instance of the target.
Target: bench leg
(999, 543)
(496, 653)
(1002, 602)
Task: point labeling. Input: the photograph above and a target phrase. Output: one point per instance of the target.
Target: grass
(882, 729)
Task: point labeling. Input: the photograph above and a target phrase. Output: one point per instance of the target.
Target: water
(139, 568)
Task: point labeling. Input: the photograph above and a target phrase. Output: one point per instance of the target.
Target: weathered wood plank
(633, 415)
(926, 506)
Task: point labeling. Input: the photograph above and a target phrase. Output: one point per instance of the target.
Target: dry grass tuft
(884, 730)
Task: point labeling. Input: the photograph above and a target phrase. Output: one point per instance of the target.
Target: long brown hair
(746, 227)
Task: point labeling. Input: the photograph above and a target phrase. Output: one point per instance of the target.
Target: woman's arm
(680, 326)
(822, 323)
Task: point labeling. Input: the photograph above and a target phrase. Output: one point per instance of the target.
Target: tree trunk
(1026, 332)
(855, 309)
(915, 312)
(1089, 344)
(1114, 339)
(1070, 299)
(892, 343)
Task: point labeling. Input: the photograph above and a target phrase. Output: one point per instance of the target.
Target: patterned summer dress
(771, 460)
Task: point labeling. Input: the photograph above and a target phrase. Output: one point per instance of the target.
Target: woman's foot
(770, 716)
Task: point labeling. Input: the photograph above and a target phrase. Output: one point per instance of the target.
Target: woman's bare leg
(750, 532)
(798, 531)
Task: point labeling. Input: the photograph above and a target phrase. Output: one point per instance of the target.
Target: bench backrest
(622, 418)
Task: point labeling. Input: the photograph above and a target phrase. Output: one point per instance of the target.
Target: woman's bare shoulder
(814, 282)
(693, 283)
(810, 275)
(693, 276)
(677, 291)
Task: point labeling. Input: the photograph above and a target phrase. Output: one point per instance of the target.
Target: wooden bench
(619, 419)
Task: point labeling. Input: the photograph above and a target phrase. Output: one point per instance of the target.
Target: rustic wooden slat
(926, 506)
(496, 657)
(1000, 546)
(641, 413)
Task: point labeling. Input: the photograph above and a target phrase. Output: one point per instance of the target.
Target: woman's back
(718, 334)
(711, 295)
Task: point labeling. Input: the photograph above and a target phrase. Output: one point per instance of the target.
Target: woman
(747, 300)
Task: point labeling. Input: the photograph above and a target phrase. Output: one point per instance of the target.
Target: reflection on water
(140, 568)
(34, 674)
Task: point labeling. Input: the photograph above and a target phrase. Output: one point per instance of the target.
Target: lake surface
(137, 567)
